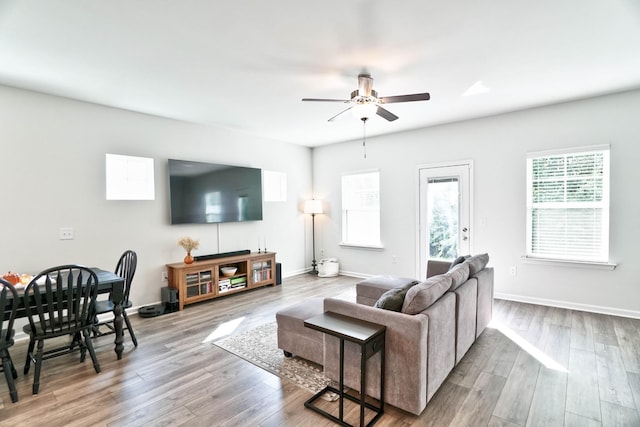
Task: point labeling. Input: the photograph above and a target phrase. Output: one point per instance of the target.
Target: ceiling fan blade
(325, 100)
(386, 114)
(339, 115)
(405, 98)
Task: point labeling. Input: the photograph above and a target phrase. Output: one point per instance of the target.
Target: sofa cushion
(458, 260)
(394, 298)
(459, 274)
(477, 263)
(422, 295)
(294, 337)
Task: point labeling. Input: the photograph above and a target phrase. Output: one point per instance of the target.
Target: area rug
(260, 347)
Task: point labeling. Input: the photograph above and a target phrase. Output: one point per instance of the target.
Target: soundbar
(221, 255)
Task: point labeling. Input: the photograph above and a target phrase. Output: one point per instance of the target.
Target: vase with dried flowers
(188, 244)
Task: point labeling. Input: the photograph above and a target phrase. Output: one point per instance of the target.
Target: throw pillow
(459, 274)
(410, 285)
(394, 298)
(422, 295)
(477, 263)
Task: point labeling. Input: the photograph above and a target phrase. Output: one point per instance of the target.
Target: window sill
(566, 263)
(358, 246)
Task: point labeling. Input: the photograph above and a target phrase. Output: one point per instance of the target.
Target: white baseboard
(356, 274)
(340, 273)
(570, 305)
(530, 300)
(295, 272)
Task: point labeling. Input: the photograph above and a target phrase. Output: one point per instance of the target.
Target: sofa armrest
(405, 355)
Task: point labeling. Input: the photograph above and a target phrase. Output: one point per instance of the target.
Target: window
(129, 178)
(274, 186)
(361, 209)
(568, 205)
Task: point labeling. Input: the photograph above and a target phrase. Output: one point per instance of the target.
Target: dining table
(108, 282)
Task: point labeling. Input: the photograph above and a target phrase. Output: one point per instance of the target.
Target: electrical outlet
(165, 276)
(513, 270)
(321, 253)
(394, 259)
(66, 233)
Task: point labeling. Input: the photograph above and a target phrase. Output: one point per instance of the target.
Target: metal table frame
(371, 338)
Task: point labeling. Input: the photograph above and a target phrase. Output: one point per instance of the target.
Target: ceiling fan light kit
(364, 111)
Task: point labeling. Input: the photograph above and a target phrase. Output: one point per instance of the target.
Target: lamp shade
(313, 206)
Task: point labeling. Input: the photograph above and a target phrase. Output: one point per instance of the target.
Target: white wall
(498, 146)
(53, 175)
(52, 152)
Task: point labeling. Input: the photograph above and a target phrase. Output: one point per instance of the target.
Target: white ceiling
(246, 64)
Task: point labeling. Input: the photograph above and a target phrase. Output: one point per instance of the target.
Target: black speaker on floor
(278, 273)
(169, 299)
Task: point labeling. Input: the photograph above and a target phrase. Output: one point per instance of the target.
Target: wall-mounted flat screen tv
(202, 193)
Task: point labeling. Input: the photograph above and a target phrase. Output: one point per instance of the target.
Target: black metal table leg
(371, 339)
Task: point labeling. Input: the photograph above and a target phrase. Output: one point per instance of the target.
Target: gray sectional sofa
(430, 325)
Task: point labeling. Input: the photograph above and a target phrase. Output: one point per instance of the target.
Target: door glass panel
(443, 217)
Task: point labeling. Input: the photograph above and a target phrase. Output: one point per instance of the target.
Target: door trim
(469, 164)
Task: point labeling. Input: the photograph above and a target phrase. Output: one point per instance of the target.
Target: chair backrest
(126, 269)
(8, 307)
(61, 299)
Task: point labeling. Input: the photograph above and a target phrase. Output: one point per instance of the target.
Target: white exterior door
(445, 213)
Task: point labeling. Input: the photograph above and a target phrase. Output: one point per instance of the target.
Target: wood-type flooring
(536, 366)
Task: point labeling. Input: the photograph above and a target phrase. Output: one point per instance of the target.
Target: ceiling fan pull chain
(364, 136)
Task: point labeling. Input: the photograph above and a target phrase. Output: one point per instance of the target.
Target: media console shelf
(204, 280)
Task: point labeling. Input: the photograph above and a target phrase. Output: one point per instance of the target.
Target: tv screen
(202, 193)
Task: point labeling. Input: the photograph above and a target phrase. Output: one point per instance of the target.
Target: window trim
(361, 246)
(568, 263)
(534, 259)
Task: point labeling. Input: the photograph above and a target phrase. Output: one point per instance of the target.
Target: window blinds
(568, 205)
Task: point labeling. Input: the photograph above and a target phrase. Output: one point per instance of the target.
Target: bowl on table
(228, 271)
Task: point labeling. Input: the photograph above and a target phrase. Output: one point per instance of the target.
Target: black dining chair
(61, 302)
(126, 268)
(8, 308)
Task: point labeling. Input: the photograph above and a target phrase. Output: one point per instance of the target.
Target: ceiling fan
(365, 102)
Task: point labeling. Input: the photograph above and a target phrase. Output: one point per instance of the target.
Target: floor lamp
(313, 207)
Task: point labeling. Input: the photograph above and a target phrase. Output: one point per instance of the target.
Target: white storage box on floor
(328, 267)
